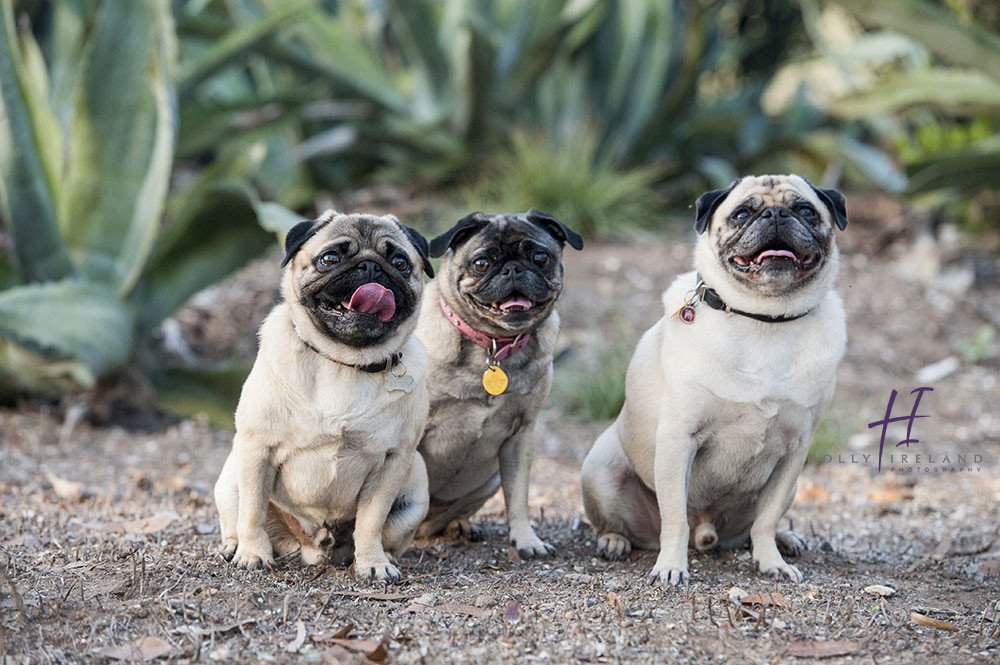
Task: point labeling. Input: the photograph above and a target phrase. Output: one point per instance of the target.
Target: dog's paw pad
(613, 546)
(532, 547)
(669, 576)
(790, 543)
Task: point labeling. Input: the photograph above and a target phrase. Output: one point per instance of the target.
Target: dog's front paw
(789, 543)
(529, 546)
(377, 570)
(228, 548)
(776, 567)
(670, 571)
(253, 553)
(613, 546)
(669, 576)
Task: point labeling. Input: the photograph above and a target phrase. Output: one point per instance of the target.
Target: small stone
(737, 594)
(937, 371)
(428, 599)
(880, 590)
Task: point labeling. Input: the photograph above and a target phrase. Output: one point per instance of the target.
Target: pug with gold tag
(490, 326)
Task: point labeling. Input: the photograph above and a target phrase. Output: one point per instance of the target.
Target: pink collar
(504, 345)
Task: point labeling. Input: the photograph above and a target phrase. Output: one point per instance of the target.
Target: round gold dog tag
(494, 380)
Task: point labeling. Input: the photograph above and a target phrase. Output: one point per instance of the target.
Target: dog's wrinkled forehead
(353, 233)
(769, 191)
(508, 233)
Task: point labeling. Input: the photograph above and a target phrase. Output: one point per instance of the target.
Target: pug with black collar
(324, 460)
(490, 326)
(723, 393)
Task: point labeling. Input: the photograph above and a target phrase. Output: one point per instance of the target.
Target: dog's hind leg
(408, 510)
(452, 516)
(622, 510)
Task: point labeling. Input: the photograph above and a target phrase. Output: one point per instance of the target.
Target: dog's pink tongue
(775, 252)
(515, 302)
(373, 299)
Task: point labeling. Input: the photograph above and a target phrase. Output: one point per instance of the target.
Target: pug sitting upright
(723, 393)
(490, 326)
(325, 453)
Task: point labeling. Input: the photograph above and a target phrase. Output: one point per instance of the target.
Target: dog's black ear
(835, 202)
(706, 206)
(420, 243)
(297, 236)
(557, 229)
(456, 235)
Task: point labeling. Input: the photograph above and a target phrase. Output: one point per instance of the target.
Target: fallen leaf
(775, 599)
(512, 555)
(157, 522)
(989, 568)
(823, 648)
(616, 602)
(300, 638)
(373, 651)
(328, 635)
(451, 608)
(376, 596)
(880, 590)
(512, 612)
(145, 648)
(931, 622)
(67, 490)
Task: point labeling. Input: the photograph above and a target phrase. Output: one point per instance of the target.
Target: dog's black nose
(369, 269)
(776, 212)
(512, 269)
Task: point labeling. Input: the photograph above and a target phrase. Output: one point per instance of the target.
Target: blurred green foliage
(145, 144)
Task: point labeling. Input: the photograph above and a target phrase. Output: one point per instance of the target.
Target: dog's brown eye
(400, 264)
(541, 258)
(481, 265)
(805, 211)
(327, 261)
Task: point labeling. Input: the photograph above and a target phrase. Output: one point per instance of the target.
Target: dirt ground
(108, 534)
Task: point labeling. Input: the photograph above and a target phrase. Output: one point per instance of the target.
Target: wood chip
(512, 555)
(300, 638)
(67, 490)
(822, 648)
(616, 602)
(145, 649)
(775, 599)
(512, 612)
(376, 596)
(931, 622)
(880, 590)
(450, 608)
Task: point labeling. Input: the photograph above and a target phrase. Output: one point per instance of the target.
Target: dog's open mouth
(778, 256)
(515, 302)
(371, 299)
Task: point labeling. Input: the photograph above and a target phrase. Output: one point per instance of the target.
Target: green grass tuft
(593, 391)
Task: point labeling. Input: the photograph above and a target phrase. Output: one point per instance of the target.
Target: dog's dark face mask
(775, 238)
(363, 278)
(505, 272)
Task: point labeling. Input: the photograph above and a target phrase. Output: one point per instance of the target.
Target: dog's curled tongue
(778, 253)
(374, 299)
(515, 302)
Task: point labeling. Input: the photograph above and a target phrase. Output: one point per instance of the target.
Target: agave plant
(89, 266)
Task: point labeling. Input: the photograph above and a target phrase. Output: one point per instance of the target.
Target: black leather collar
(715, 301)
(371, 368)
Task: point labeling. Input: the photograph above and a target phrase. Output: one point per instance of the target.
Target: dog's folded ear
(707, 205)
(464, 229)
(420, 244)
(297, 236)
(557, 229)
(835, 202)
